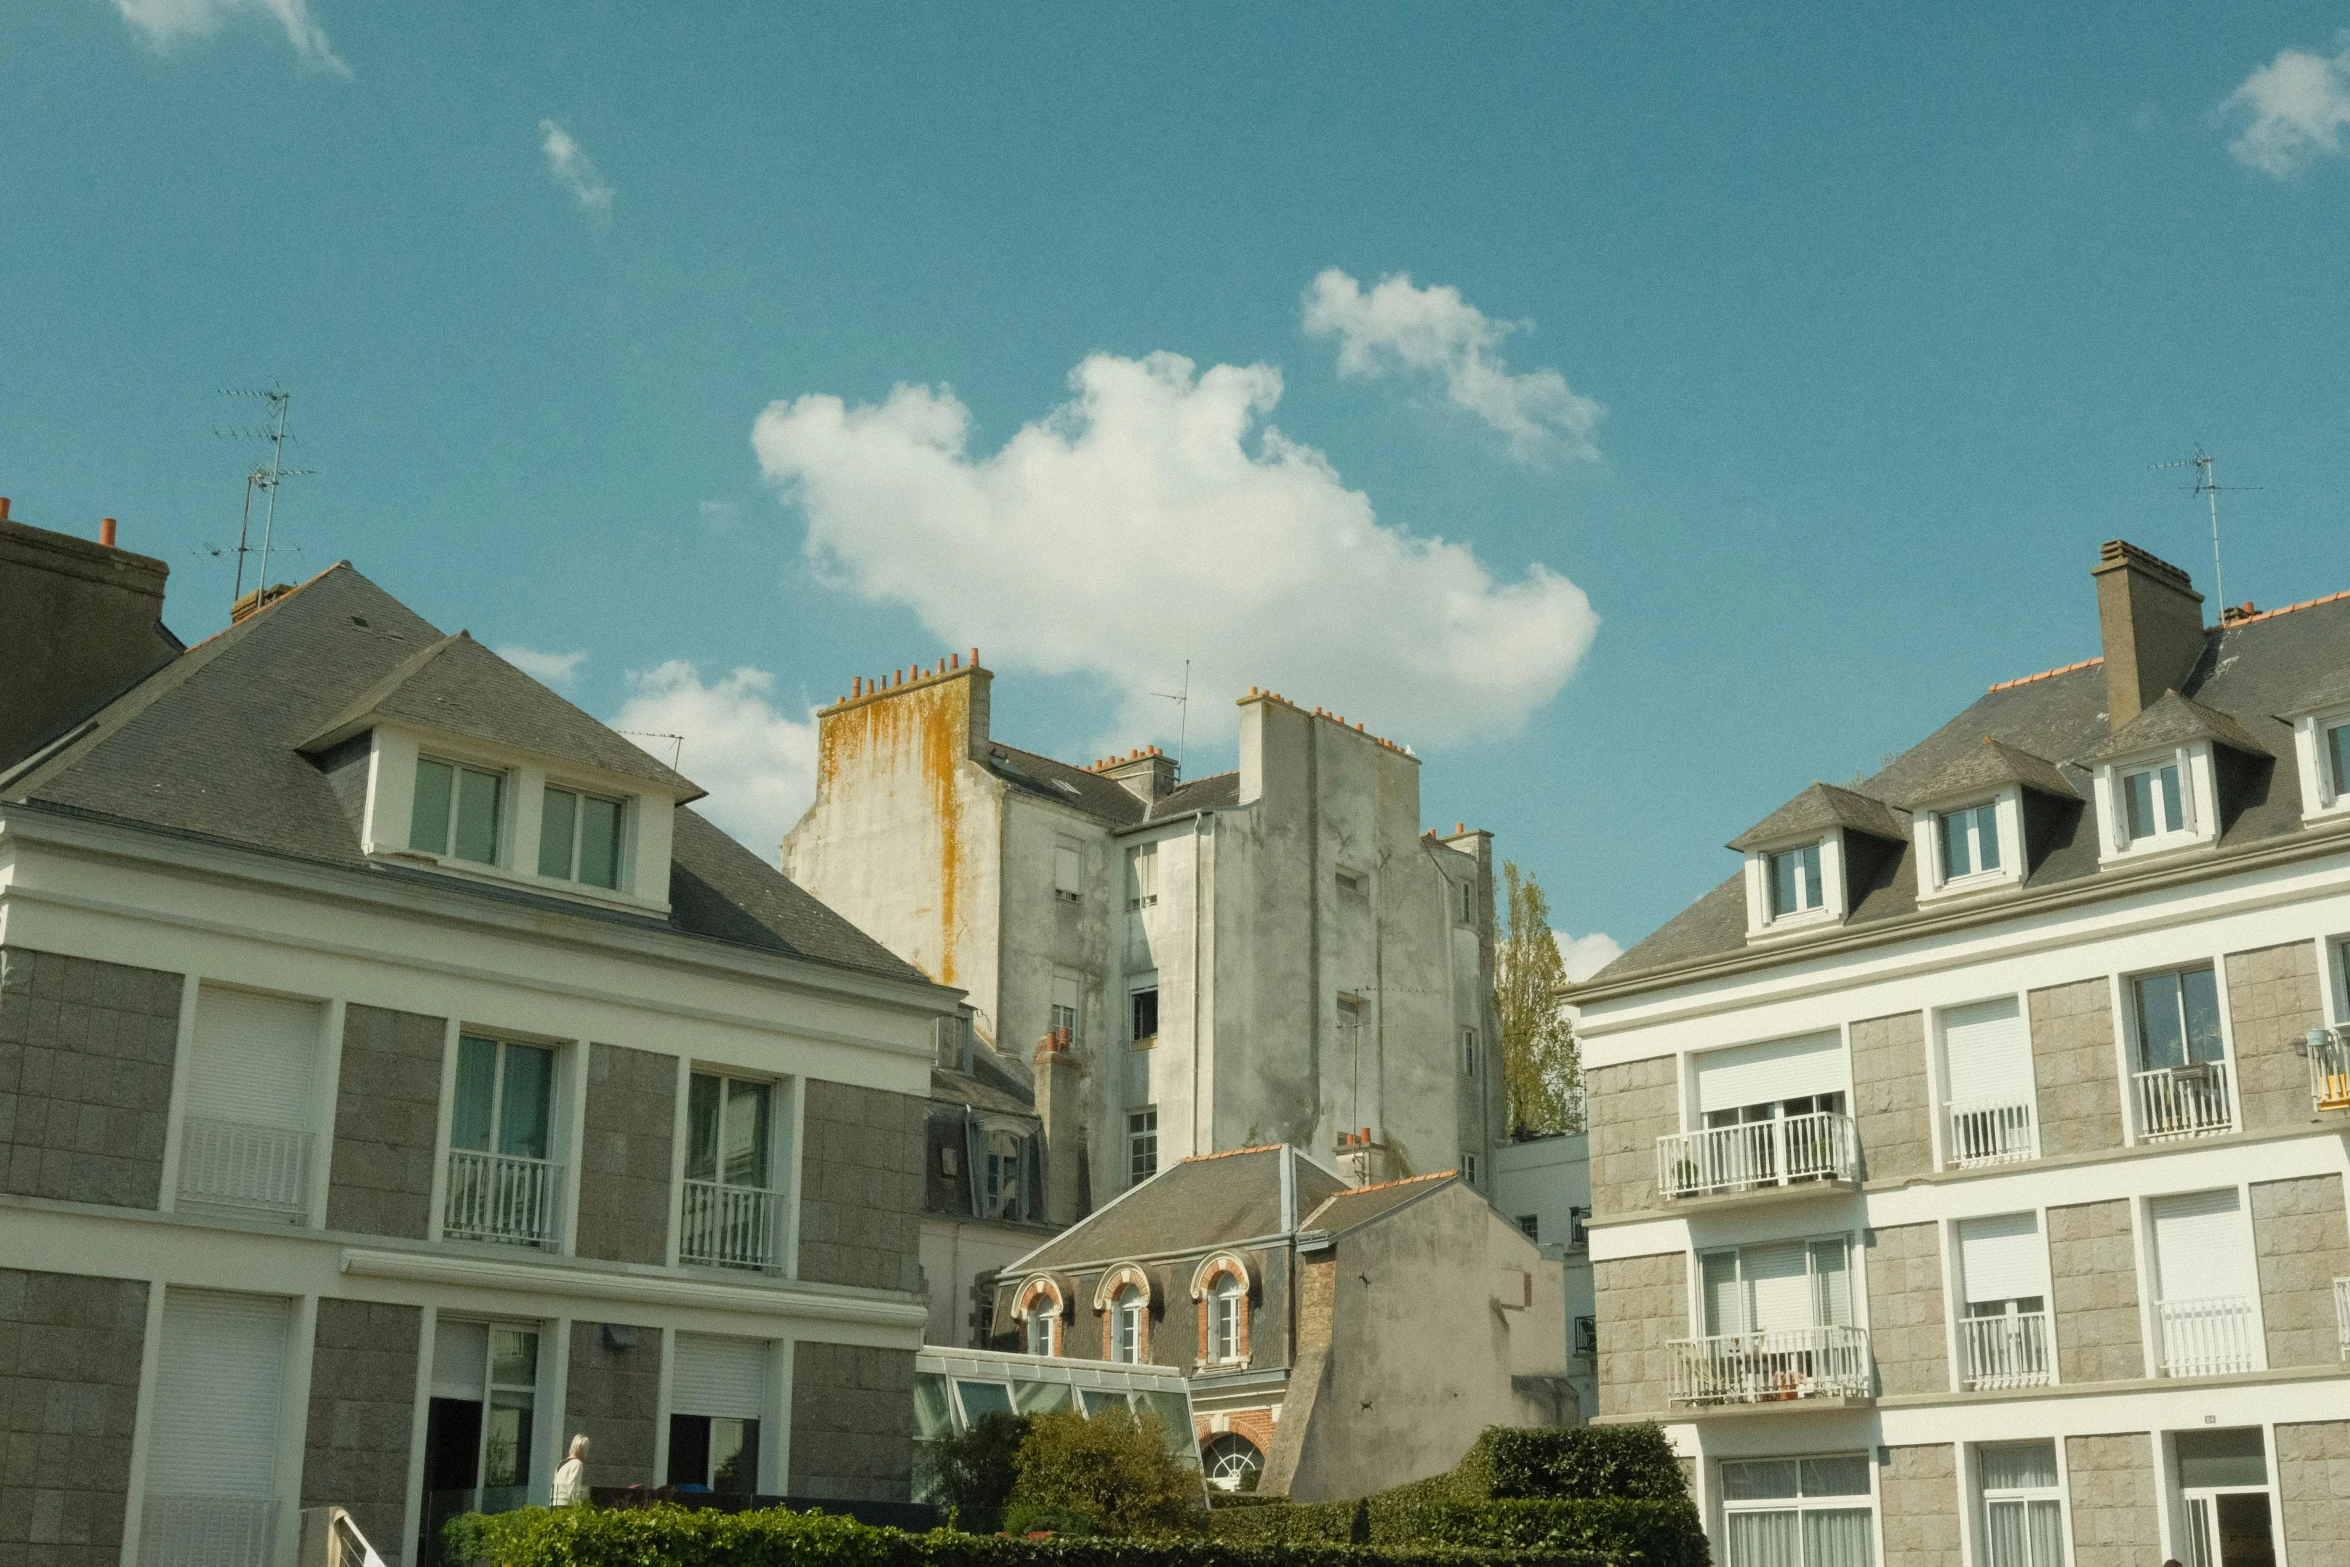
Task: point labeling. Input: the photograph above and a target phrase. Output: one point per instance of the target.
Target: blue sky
(1813, 353)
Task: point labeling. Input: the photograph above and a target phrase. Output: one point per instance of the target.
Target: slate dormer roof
(1196, 1204)
(1993, 765)
(1819, 808)
(2172, 720)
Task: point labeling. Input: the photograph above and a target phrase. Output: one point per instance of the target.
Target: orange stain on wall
(919, 731)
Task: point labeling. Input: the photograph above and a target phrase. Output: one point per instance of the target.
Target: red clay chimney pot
(106, 531)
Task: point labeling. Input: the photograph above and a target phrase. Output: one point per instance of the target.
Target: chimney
(1148, 775)
(1060, 1104)
(106, 531)
(79, 625)
(2151, 620)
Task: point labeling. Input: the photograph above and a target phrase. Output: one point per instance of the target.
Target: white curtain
(1762, 1540)
(1837, 1539)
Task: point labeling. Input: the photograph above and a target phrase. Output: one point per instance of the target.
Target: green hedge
(1652, 1532)
(1588, 1461)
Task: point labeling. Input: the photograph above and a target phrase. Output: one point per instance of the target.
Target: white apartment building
(396, 1078)
(1968, 1168)
(1543, 1186)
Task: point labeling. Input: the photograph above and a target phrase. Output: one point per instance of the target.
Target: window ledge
(498, 876)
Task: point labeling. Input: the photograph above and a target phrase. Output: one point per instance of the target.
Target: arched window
(1232, 1462)
(1042, 1318)
(1037, 1308)
(1126, 1313)
(1224, 1305)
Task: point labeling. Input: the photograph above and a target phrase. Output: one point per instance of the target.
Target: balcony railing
(2342, 1315)
(207, 1531)
(2207, 1338)
(2329, 1068)
(2006, 1351)
(236, 1164)
(728, 1226)
(1784, 1151)
(1762, 1368)
(2184, 1101)
(1991, 1133)
(501, 1197)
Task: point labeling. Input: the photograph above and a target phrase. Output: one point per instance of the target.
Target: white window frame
(1137, 1135)
(1799, 1504)
(1225, 1303)
(2197, 802)
(1939, 1077)
(1984, 1499)
(502, 815)
(1127, 1309)
(1142, 877)
(1469, 1167)
(2190, 1550)
(1928, 824)
(1761, 921)
(1041, 1325)
(1472, 1059)
(1855, 1292)
(2323, 794)
(623, 848)
(1068, 870)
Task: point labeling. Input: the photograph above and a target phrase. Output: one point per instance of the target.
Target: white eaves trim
(636, 1289)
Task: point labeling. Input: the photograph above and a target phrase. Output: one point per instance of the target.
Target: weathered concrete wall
(1890, 1105)
(2273, 998)
(1631, 1106)
(2072, 1063)
(1905, 1309)
(387, 1114)
(80, 623)
(362, 1403)
(614, 1396)
(2093, 1270)
(69, 1392)
(631, 1131)
(2313, 1490)
(1919, 1499)
(1643, 1306)
(852, 1422)
(2303, 1238)
(2113, 1500)
(86, 1053)
(861, 1187)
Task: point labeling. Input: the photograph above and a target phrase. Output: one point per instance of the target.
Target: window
(718, 1392)
(1352, 1015)
(1064, 1009)
(245, 1134)
(1969, 840)
(1142, 877)
(1466, 906)
(1780, 1287)
(212, 1473)
(1987, 1074)
(480, 1432)
(1469, 1061)
(730, 1211)
(579, 838)
(1068, 871)
(1354, 884)
(2204, 1284)
(1578, 1235)
(1224, 1306)
(1795, 881)
(2223, 1485)
(2335, 757)
(1126, 1314)
(502, 1185)
(1586, 1338)
(1530, 1226)
(2178, 1018)
(1005, 1194)
(1469, 1167)
(1143, 1013)
(1142, 1143)
(456, 811)
(2151, 807)
(1041, 1317)
(2004, 1337)
(1772, 1113)
(1797, 1512)
(2023, 1513)
(1232, 1461)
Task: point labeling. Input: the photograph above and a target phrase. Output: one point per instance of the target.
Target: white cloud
(553, 669)
(165, 22)
(758, 763)
(575, 171)
(1585, 956)
(1155, 510)
(2293, 109)
(1434, 332)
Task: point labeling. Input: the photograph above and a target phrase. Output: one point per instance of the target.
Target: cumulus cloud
(166, 22)
(1156, 508)
(758, 762)
(574, 170)
(1585, 956)
(2292, 110)
(552, 669)
(1436, 334)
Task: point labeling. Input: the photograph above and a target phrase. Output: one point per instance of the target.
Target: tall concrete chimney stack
(1061, 1106)
(2151, 620)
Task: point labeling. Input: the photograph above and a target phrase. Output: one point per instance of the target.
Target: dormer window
(2152, 806)
(2163, 780)
(1969, 839)
(579, 838)
(2321, 740)
(2337, 755)
(456, 811)
(1795, 881)
(1809, 860)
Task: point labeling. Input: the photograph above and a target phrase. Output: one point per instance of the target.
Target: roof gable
(2170, 720)
(1197, 1203)
(1819, 808)
(1993, 765)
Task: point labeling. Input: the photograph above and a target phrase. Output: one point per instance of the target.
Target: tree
(976, 1470)
(1541, 1066)
(1107, 1473)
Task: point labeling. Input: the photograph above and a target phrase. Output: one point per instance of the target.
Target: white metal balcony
(2209, 1337)
(2007, 1351)
(2329, 1068)
(239, 1165)
(1983, 1134)
(2184, 1101)
(207, 1531)
(728, 1226)
(1784, 1151)
(501, 1197)
(1762, 1368)
(2342, 1315)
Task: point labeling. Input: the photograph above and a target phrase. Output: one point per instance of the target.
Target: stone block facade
(387, 1118)
(2113, 1500)
(613, 1396)
(1643, 1305)
(1918, 1496)
(362, 1405)
(2093, 1272)
(1632, 1105)
(624, 1163)
(1905, 1309)
(852, 1422)
(1891, 1109)
(2079, 1092)
(2303, 1239)
(2273, 999)
(86, 1053)
(69, 1400)
(2313, 1489)
(861, 1187)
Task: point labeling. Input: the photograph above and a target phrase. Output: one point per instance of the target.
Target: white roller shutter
(719, 1376)
(1778, 1285)
(219, 1382)
(2002, 1259)
(2199, 1246)
(1765, 1074)
(460, 1359)
(1987, 1054)
(253, 1058)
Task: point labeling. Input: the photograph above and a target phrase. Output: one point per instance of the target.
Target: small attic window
(456, 811)
(1968, 839)
(2335, 755)
(1066, 787)
(579, 838)
(1795, 881)
(2151, 803)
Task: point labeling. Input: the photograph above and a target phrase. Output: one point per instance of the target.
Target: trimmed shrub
(1587, 1461)
(1652, 1532)
(1108, 1473)
(976, 1470)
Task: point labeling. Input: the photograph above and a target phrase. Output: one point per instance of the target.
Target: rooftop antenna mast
(266, 476)
(1182, 701)
(2207, 485)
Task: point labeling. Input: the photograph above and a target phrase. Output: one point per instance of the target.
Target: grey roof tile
(1819, 808)
(2172, 719)
(1360, 1205)
(1210, 1201)
(1993, 765)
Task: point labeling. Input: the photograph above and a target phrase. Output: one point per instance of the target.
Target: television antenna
(265, 477)
(677, 743)
(2207, 485)
(1182, 701)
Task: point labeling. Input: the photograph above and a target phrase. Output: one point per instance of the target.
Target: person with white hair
(571, 1479)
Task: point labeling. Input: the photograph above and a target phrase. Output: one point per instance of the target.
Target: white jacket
(571, 1484)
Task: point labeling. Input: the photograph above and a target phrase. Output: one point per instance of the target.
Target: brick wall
(1889, 1100)
(1317, 1294)
(2273, 999)
(861, 1187)
(1630, 1107)
(86, 1052)
(2112, 1482)
(362, 1402)
(2302, 1238)
(1643, 1304)
(2313, 1490)
(613, 1396)
(852, 1422)
(387, 1116)
(624, 1167)
(1905, 1309)
(2072, 1065)
(1919, 1506)
(2093, 1270)
(69, 1399)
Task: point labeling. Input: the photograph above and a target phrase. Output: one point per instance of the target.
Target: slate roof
(1105, 799)
(2250, 671)
(2171, 720)
(1360, 1205)
(1213, 1200)
(1819, 808)
(1993, 765)
(208, 747)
